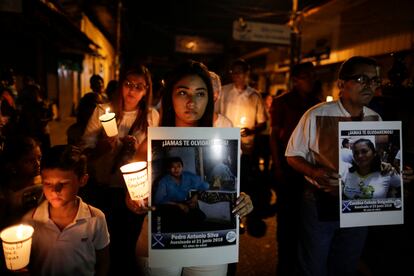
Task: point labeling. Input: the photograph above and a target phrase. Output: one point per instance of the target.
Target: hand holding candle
(109, 123)
(139, 207)
(17, 242)
(242, 126)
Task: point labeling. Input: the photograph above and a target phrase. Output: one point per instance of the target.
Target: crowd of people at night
(86, 223)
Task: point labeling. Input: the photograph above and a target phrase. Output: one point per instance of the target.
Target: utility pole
(118, 40)
(295, 34)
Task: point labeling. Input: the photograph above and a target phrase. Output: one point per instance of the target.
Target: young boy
(70, 237)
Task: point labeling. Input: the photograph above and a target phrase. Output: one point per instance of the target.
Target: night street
(258, 256)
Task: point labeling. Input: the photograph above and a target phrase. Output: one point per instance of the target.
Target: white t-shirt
(315, 138)
(347, 155)
(373, 185)
(244, 108)
(72, 250)
(94, 126)
(222, 121)
(105, 173)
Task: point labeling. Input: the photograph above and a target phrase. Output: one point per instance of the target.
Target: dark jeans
(124, 227)
(289, 191)
(324, 248)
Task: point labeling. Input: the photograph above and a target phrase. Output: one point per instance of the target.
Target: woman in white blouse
(106, 190)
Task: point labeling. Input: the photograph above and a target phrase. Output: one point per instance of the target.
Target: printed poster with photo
(194, 174)
(370, 163)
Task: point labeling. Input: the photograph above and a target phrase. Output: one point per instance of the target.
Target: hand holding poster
(371, 190)
(194, 174)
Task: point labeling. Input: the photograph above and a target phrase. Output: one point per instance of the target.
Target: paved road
(258, 256)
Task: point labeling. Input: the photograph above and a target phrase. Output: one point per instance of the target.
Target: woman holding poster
(188, 102)
(364, 178)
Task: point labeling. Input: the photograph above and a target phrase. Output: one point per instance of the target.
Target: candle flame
(243, 120)
(107, 110)
(329, 98)
(19, 231)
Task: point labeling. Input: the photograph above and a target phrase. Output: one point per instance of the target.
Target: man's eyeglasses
(135, 86)
(365, 80)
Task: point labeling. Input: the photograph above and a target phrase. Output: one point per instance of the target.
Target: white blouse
(94, 126)
(103, 166)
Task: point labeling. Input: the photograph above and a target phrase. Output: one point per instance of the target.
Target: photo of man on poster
(178, 209)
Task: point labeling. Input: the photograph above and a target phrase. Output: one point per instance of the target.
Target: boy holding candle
(70, 237)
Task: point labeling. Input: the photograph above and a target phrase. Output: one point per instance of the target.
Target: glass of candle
(109, 123)
(136, 180)
(17, 242)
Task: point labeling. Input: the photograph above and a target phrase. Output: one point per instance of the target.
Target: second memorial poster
(370, 168)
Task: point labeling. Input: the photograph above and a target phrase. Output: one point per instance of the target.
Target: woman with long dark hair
(131, 105)
(187, 101)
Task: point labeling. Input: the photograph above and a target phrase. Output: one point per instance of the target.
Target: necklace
(367, 191)
(362, 178)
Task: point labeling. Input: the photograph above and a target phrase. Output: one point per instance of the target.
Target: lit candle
(17, 242)
(243, 121)
(109, 123)
(136, 180)
(329, 98)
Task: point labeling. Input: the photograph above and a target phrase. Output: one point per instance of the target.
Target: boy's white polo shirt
(72, 250)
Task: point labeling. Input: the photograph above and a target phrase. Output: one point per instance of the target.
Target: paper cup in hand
(136, 180)
(17, 242)
(109, 123)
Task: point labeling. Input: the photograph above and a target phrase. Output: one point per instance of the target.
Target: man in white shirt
(243, 105)
(346, 152)
(324, 248)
